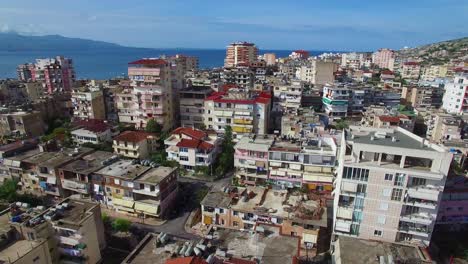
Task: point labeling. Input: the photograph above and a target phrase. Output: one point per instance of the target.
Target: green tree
(153, 127)
(121, 225)
(341, 124)
(8, 190)
(226, 159)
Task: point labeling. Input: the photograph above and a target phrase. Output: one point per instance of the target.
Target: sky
(340, 25)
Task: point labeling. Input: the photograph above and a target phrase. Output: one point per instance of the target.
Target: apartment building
(387, 121)
(287, 96)
(455, 100)
(138, 190)
(251, 159)
(411, 70)
(191, 147)
(40, 172)
(150, 95)
(269, 58)
(389, 185)
(384, 59)
(56, 74)
(335, 101)
(241, 76)
(186, 63)
(433, 72)
(135, 144)
(240, 53)
(251, 208)
(245, 111)
(192, 100)
(22, 124)
(423, 96)
(446, 127)
(88, 103)
(76, 177)
(295, 124)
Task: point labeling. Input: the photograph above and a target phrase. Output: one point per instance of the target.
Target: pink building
(453, 207)
(384, 58)
(57, 74)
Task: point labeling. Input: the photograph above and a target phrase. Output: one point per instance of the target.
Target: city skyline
(346, 26)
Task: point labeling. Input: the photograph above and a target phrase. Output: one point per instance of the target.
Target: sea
(110, 63)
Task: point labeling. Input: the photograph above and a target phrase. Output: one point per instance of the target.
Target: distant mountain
(437, 53)
(16, 42)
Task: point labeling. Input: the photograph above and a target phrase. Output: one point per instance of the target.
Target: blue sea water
(109, 63)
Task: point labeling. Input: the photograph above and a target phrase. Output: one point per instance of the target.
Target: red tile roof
(389, 72)
(194, 144)
(186, 260)
(133, 136)
(217, 97)
(149, 62)
(301, 51)
(18, 144)
(411, 63)
(391, 119)
(94, 125)
(193, 133)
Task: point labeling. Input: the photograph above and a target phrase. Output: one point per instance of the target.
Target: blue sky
(312, 24)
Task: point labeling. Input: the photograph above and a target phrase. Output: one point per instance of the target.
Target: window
(117, 181)
(235, 223)
(378, 233)
(235, 213)
(387, 192)
(108, 189)
(183, 158)
(383, 206)
(388, 176)
(221, 210)
(418, 182)
(357, 174)
(152, 188)
(183, 149)
(381, 219)
(361, 188)
(399, 179)
(396, 194)
(36, 259)
(117, 191)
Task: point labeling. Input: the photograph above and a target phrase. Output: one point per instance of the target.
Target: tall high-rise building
(57, 74)
(384, 58)
(389, 185)
(455, 100)
(150, 95)
(240, 54)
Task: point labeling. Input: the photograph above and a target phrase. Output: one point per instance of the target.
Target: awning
(124, 203)
(51, 180)
(343, 226)
(260, 164)
(309, 238)
(147, 208)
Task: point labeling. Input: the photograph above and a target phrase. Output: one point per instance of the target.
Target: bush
(121, 225)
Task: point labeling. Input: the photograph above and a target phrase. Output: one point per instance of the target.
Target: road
(187, 203)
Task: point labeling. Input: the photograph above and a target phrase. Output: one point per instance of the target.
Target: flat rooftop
(260, 143)
(123, 169)
(74, 214)
(385, 138)
(369, 251)
(89, 163)
(216, 198)
(18, 249)
(155, 175)
(269, 247)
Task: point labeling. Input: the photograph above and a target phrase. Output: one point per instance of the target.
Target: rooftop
(149, 61)
(373, 251)
(93, 125)
(72, 213)
(255, 143)
(18, 249)
(133, 136)
(156, 175)
(392, 137)
(89, 163)
(123, 169)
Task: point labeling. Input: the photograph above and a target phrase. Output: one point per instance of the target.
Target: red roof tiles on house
(195, 144)
(149, 62)
(411, 63)
(186, 260)
(391, 119)
(193, 133)
(93, 125)
(133, 136)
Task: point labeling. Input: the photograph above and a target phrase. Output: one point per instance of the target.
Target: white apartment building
(317, 72)
(88, 103)
(335, 101)
(251, 159)
(411, 70)
(384, 59)
(389, 185)
(287, 96)
(455, 100)
(192, 147)
(245, 111)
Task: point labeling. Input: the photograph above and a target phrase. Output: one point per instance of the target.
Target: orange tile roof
(193, 133)
(133, 136)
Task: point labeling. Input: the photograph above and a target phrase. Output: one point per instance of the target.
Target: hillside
(17, 42)
(438, 53)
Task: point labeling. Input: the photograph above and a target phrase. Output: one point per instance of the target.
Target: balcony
(345, 213)
(419, 218)
(154, 193)
(76, 186)
(72, 240)
(413, 230)
(427, 192)
(420, 203)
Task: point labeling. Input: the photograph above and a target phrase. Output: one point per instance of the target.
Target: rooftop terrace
(89, 163)
(156, 175)
(125, 169)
